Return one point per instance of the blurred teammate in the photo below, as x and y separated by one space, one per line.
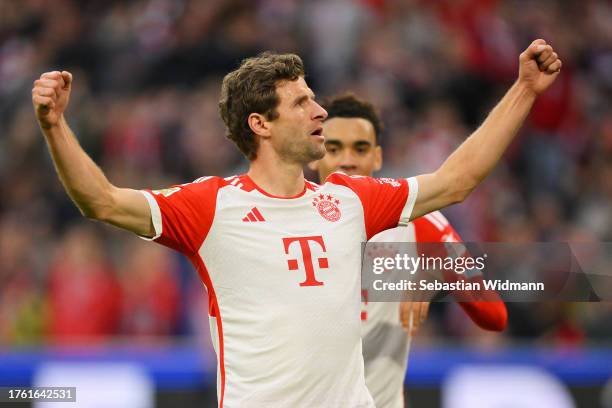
352 131
277 253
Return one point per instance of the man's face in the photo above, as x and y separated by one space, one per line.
351 148
296 134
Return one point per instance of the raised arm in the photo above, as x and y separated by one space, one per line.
459 175
83 180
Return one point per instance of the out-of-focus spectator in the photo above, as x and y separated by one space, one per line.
22 308
84 295
149 283
147 81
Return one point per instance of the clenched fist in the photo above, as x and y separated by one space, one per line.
50 97
539 66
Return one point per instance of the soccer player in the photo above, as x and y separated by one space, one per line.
277 253
352 131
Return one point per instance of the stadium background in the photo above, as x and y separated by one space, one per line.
144 105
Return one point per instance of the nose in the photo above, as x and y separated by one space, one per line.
347 160
319 112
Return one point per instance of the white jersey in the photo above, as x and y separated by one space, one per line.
385 343
283 280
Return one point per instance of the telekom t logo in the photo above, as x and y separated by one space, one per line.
304 243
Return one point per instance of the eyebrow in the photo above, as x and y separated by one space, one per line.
334 142
361 143
302 98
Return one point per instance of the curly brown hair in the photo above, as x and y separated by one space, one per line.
347 105
251 88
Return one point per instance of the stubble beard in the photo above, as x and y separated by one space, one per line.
301 153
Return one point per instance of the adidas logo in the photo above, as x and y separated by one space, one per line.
253 216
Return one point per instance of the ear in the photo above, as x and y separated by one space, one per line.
378 158
259 125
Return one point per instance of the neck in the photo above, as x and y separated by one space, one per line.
276 177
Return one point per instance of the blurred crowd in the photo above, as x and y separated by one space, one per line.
147 79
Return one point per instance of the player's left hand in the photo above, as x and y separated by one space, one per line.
539 66
412 315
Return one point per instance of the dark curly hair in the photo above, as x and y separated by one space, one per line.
347 105
251 88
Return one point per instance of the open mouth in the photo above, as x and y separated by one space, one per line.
317 132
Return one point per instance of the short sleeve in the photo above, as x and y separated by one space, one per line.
385 201
182 215
484 307
434 227
432 232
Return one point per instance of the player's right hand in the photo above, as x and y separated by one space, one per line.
50 97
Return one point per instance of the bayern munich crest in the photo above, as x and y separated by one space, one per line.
327 206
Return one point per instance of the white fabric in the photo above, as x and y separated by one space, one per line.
155 216
283 344
386 344
413 192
